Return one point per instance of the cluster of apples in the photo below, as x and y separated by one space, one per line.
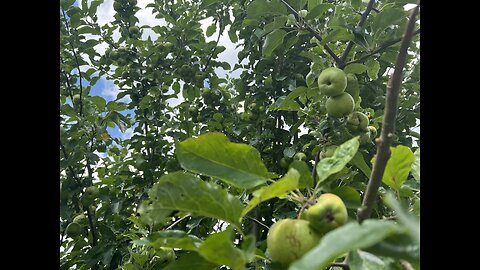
289 239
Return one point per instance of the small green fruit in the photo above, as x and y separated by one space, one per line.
134 30
289 239
328 151
92 191
352 87
332 81
328 213
365 137
303 13
73 230
300 156
340 105
76 98
373 132
357 121
81 219
166 255
283 163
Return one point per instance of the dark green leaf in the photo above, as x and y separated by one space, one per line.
272 41
298 4
342 240
306 179
372 69
214 155
278 22
416 165
360 163
211 30
361 260
232 34
172 239
343 154
259 8
398 166
289 103
318 11
387 17
185 192
349 196
189 261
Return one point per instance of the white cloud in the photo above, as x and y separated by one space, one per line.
128 132
110 91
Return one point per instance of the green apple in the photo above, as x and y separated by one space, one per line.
328 151
76 98
283 163
332 81
340 105
289 239
134 30
328 213
365 137
81 219
357 121
352 87
166 254
300 156
73 229
373 132
92 191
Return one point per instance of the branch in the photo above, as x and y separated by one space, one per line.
360 24
176 222
258 222
216 44
312 31
380 49
388 123
76 61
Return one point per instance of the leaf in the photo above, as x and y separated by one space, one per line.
359 161
355 68
278 189
349 196
259 8
289 103
298 4
399 246
356 3
338 34
219 249
372 69
278 22
318 10
343 239
272 41
343 154
186 192
172 239
190 260
387 17
211 30
410 221
207 3
416 165
232 34
361 260
313 3
306 179
398 166
214 155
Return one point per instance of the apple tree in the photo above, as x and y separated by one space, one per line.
309 158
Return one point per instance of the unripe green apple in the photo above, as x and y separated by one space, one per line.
73 229
92 190
365 137
352 87
166 254
340 105
328 151
81 219
283 162
76 99
373 132
357 121
300 156
328 213
303 13
134 30
289 239
332 81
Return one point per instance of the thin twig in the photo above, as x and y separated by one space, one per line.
406 265
176 222
258 222
380 49
312 31
388 123
360 24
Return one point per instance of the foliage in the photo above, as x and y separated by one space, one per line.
199 182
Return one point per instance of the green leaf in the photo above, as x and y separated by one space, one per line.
172 239
349 196
410 221
355 68
289 103
232 34
356 3
211 30
361 260
359 161
416 165
191 260
398 166
338 34
214 155
343 239
313 3
278 189
207 3
318 11
343 154
272 41
278 22
218 248
398 246
387 17
372 69
259 8
298 4
306 179
186 192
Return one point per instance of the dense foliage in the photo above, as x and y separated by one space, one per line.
215 161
